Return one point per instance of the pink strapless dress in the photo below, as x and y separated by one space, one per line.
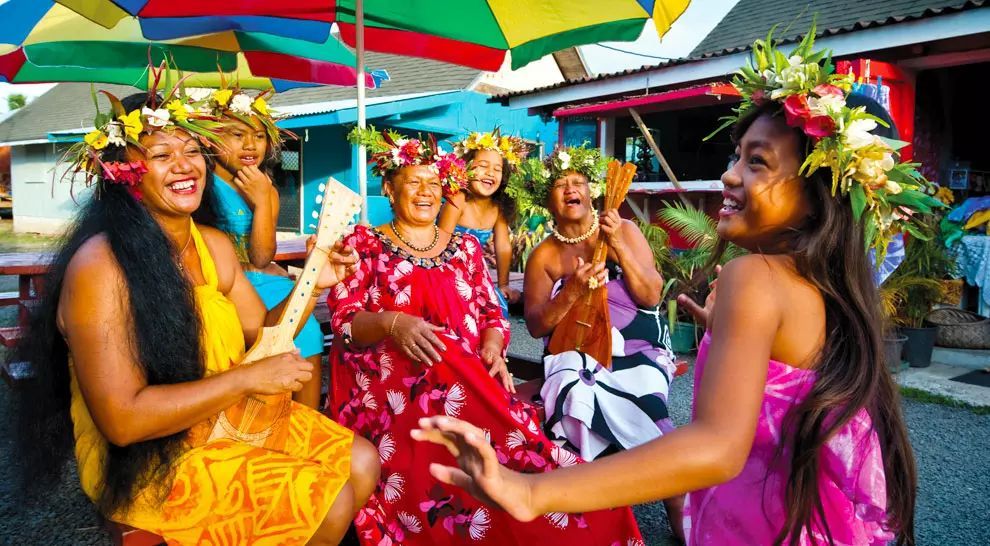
750 509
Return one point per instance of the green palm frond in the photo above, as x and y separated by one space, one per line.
694 225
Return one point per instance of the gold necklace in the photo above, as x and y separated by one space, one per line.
436 237
182 268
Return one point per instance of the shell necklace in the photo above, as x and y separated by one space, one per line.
575 240
427 248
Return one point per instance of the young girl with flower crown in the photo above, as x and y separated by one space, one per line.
797 435
246 204
482 208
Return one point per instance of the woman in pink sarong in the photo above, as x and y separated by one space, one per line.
797 436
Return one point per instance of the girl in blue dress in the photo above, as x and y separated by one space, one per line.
482 208
246 206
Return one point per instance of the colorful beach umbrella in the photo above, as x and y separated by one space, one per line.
479 33
44 41
475 33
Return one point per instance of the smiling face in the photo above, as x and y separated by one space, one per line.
417 194
570 198
173 185
243 144
764 196
486 173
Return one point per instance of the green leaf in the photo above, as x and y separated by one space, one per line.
727 121
858 198
694 225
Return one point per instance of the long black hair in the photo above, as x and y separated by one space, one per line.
830 252
506 204
165 328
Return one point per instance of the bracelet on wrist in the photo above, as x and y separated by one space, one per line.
391 327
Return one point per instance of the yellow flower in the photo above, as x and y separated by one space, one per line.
486 142
511 157
222 97
178 110
261 106
505 144
945 195
132 124
97 139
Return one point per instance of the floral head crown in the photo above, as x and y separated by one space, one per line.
233 102
391 150
513 149
119 128
886 195
532 183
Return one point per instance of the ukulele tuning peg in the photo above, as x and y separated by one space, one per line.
316 214
313 227
323 187
319 199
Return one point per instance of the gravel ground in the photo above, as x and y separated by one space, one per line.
952 447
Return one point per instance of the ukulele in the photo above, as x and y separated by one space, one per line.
257 419
586 327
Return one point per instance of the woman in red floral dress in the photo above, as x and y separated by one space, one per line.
419 332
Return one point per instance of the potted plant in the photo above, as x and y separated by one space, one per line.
679 267
914 289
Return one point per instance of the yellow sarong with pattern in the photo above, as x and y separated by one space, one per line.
226 492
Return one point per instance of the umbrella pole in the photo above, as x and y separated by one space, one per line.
361 152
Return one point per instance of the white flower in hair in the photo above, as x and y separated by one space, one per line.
156 118
115 134
565 160
857 134
198 94
827 105
241 104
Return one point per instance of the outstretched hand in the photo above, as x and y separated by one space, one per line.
480 473
702 315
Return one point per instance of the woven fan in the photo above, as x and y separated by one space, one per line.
586 327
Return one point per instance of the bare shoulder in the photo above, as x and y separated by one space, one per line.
218 242
543 255
93 288
95 262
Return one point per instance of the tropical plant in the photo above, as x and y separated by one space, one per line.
679 268
914 288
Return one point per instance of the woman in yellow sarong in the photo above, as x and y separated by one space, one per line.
137 338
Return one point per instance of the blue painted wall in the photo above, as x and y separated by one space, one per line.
451 117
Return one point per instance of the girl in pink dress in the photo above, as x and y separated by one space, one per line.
797 435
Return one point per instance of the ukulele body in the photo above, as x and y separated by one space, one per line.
257 419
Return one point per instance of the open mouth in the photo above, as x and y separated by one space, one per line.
423 205
574 201
249 160
488 182
183 187
730 206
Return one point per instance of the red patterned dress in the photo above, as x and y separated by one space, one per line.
379 393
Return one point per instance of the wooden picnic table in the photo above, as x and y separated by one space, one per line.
30 268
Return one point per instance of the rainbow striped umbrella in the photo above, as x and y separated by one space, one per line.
475 33
44 41
479 33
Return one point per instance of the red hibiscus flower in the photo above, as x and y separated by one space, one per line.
819 127
796 110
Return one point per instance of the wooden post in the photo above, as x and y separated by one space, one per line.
663 161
